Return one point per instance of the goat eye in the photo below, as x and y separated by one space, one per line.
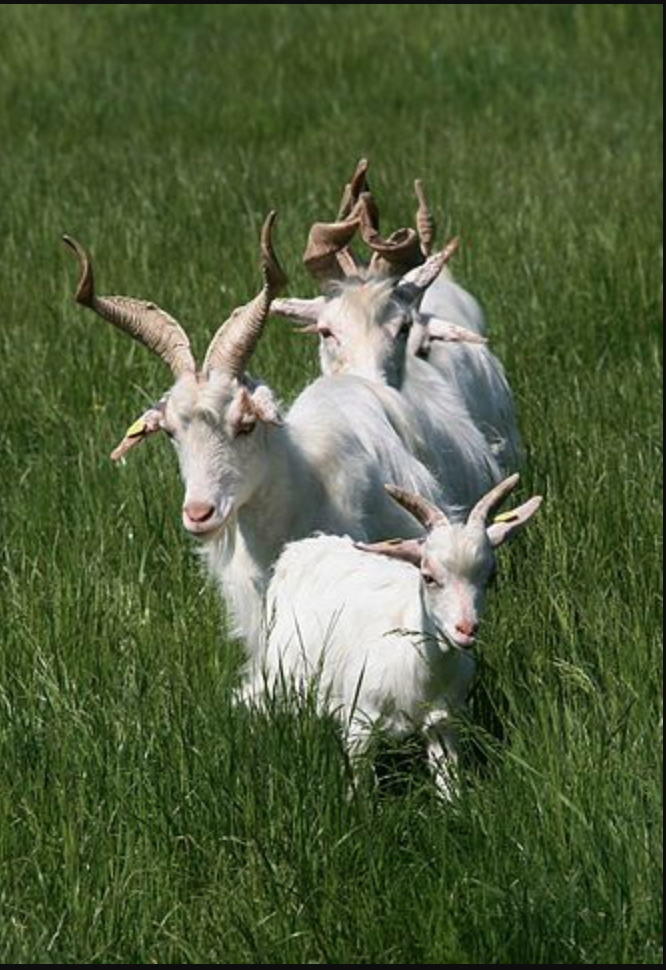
429 580
325 333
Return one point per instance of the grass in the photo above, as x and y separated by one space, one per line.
142 818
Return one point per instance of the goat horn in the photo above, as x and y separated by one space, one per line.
425 221
328 247
487 505
299 311
423 511
145 322
354 190
419 279
232 346
393 256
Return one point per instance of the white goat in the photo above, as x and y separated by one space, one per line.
384 644
364 326
475 372
470 367
253 479
447 323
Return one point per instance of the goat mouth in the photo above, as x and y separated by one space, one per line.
462 644
212 527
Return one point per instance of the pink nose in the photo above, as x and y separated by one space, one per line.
468 629
199 512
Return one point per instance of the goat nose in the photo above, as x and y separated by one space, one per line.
468 628
199 512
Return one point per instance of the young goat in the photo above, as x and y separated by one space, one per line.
253 478
386 639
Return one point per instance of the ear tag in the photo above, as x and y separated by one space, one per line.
506 517
138 428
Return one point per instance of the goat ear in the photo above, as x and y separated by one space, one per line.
452 333
405 550
265 406
253 405
304 312
507 524
148 424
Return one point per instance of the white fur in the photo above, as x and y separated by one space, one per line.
360 628
472 369
384 635
322 469
364 331
449 301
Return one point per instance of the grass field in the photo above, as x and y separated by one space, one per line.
142 818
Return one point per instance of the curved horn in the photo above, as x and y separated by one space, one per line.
232 346
417 281
487 505
423 511
393 256
326 241
145 322
327 256
425 221
354 190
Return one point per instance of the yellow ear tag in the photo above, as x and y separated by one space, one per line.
506 517
138 428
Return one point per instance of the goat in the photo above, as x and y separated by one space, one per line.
386 639
364 327
447 324
469 366
255 479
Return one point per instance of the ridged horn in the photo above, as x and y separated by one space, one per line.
393 256
354 190
485 507
327 256
425 221
233 345
142 320
423 511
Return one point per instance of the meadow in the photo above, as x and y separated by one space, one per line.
143 818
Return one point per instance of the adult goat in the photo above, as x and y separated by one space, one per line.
446 326
255 479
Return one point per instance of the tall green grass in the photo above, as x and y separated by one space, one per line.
142 818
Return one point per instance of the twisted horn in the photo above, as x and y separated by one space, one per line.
423 511
232 346
487 505
393 256
327 256
425 221
145 322
354 190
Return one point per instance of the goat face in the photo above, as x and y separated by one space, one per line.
218 426
364 330
214 413
456 567
456 561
